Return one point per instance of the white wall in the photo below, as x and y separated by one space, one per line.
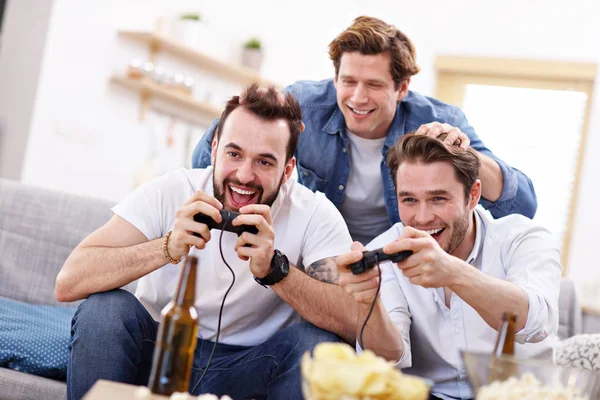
85 136
21 49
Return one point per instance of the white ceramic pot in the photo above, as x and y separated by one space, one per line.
252 58
187 32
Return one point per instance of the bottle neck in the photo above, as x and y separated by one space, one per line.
505 343
185 295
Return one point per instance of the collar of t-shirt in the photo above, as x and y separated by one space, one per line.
363 206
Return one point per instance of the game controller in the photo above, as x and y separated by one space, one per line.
370 259
225 224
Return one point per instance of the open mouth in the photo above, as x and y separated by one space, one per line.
360 113
435 233
241 196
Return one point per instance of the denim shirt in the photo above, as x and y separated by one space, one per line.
323 159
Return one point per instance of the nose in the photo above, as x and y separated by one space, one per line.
423 216
245 172
359 95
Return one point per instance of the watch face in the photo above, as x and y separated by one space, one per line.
285 265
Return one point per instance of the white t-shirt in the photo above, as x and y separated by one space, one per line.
308 228
363 206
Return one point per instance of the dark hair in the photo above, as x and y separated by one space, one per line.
266 105
369 35
424 149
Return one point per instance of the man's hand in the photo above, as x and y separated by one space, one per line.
261 250
362 286
429 265
182 237
454 136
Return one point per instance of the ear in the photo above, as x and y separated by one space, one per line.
403 89
475 194
289 169
213 153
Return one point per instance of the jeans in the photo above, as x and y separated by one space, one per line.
113 337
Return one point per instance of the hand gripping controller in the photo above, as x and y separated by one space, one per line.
370 259
226 224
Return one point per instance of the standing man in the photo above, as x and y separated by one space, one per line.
466 270
353 119
261 339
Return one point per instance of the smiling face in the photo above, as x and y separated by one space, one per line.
432 199
250 160
366 93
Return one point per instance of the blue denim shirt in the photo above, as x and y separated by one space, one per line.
323 159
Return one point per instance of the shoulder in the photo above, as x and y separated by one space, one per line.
178 184
386 237
513 230
302 199
314 93
420 109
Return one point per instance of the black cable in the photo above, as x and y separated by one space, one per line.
362 329
220 310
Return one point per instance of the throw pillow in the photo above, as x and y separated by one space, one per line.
579 351
35 338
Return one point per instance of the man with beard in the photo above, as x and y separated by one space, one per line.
261 337
466 270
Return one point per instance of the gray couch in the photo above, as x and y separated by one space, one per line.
38 230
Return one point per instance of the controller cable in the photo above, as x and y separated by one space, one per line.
362 329
221 309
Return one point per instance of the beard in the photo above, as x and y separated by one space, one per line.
219 190
460 226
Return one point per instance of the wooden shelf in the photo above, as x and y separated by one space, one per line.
236 73
146 87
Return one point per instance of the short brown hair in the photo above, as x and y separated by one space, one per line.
267 106
427 150
369 35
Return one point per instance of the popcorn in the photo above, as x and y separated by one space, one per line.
527 388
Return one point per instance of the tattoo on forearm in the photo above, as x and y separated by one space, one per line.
324 270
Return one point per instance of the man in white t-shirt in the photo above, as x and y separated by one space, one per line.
465 271
261 339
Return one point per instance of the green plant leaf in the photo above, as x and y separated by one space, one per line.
190 16
253 43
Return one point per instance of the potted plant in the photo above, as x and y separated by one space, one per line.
187 29
252 54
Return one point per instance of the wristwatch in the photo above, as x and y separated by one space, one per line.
280 266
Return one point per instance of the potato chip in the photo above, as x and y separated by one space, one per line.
335 372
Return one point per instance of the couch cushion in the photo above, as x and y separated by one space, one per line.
38 230
16 385
35 338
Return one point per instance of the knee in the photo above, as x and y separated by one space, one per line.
103 312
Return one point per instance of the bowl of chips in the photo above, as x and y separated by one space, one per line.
508 377
335 371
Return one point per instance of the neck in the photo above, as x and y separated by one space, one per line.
466 246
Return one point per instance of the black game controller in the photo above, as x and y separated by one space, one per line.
226 224
370 259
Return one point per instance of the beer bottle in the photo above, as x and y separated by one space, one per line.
505 341
177 336
502 365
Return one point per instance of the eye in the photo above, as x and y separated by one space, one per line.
233 154
375 85
348 81
439 199
265 163
408 200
